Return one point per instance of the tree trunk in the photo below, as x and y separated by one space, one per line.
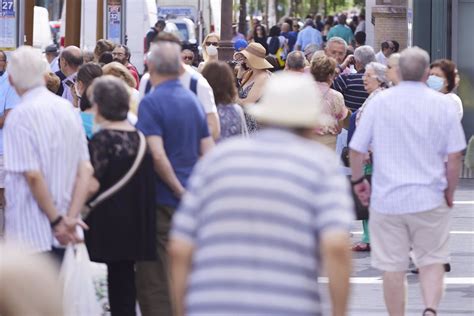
243 17
271 13
289 8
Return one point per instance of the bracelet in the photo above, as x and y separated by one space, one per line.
356 182
56 221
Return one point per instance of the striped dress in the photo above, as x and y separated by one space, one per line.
254 212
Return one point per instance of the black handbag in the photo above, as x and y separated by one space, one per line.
361 211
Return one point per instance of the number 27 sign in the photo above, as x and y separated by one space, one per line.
7 8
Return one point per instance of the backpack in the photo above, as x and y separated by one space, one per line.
192 85
274 45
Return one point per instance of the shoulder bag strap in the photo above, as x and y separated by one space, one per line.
126 178
193 84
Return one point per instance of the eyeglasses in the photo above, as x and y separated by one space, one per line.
188 57
216 44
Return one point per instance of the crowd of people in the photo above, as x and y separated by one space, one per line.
219 187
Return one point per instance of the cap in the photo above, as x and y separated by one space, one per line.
240 44
51 49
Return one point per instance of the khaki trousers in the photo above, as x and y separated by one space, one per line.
152 277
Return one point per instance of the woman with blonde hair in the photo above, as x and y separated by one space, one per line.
118 70
323 69
101 47
210 51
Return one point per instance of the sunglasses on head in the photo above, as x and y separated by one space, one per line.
212 43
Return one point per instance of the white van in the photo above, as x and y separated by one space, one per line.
42 36
141 15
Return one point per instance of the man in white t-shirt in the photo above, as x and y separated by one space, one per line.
386 49
195 82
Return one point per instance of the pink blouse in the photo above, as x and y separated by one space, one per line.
333 105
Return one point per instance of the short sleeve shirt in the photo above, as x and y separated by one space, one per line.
410 129
8 100
254 211
204 90
175 114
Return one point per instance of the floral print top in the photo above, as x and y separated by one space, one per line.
232 120
334 107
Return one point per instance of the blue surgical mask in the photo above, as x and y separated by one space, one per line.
435 82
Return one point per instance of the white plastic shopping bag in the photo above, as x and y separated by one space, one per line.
79 297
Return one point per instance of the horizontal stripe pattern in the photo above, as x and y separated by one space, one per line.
352 88
254 211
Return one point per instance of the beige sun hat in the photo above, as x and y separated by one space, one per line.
290 100
255 54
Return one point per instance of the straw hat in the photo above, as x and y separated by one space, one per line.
255 54
290 100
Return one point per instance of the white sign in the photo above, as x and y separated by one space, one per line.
8 27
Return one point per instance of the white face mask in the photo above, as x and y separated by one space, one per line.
211 50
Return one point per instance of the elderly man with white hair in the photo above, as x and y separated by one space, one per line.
46 160
351 85
417 144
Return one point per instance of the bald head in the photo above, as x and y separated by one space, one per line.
71 59
285 27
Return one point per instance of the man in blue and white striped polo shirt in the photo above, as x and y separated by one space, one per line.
351 85
259 215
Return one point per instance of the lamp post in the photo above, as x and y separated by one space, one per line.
226 47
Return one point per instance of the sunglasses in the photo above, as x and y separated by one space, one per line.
216 44
188 57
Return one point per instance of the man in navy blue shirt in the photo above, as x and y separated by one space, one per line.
175 126
352 85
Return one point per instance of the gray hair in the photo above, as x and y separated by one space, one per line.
338 40
364 55
295 60
27 68
309 22
164 58
380 71
413 64
111 96
310 49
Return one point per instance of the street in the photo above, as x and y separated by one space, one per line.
367 295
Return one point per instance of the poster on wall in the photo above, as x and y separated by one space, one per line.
8 25
114 21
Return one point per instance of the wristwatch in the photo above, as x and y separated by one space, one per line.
356 182
56 221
